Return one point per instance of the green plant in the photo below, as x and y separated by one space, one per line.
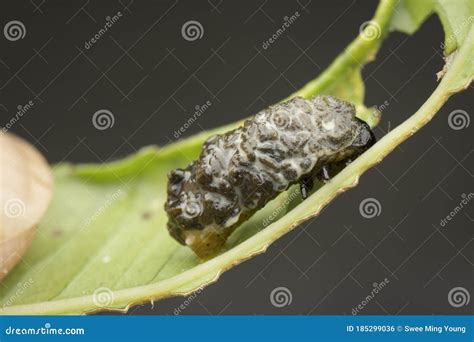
89 255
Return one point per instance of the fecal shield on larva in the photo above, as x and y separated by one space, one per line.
238 172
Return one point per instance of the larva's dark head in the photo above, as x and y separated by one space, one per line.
364 138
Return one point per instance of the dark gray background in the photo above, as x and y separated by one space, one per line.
151 79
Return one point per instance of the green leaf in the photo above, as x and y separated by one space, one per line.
103 243
457 17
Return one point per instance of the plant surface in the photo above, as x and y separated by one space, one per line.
111 248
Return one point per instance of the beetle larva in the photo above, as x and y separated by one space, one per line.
240 171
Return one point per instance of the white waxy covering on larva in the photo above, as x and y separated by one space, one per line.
238 172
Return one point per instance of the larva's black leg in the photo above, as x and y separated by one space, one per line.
324 174
307 182
306 185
